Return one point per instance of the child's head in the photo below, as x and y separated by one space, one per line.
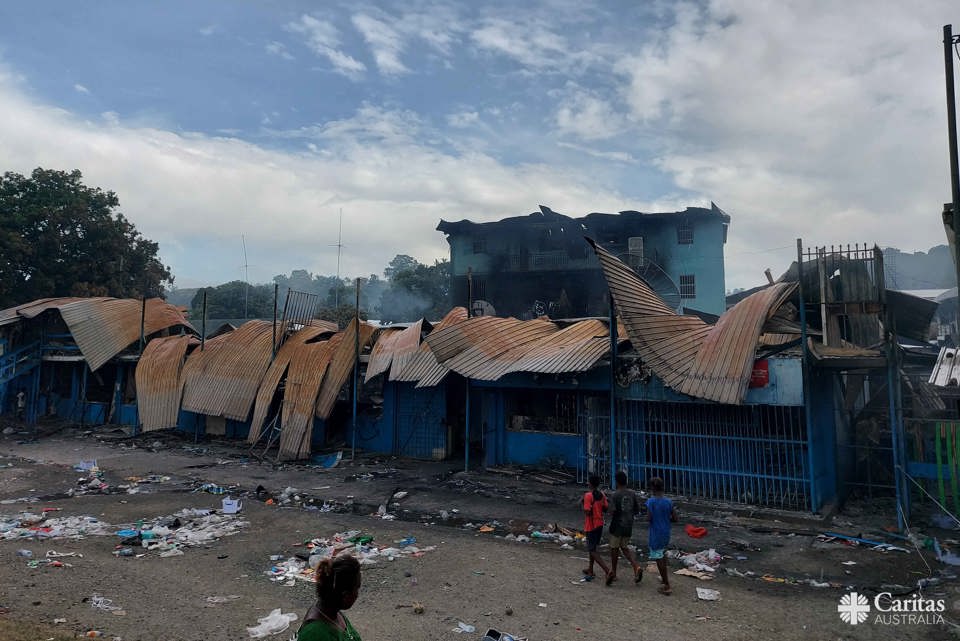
621 478
594 483
338 581
656 485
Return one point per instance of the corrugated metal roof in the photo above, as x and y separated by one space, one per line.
946 371
158 382
485 347
722 367
576 348
381 356
304 377
35 308
423 364
407 345
341 364
710 362
268 385
103 327
223 379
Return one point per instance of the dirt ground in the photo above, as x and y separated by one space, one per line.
529 589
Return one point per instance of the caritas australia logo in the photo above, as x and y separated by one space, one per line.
885 609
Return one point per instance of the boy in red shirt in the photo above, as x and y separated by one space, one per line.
594 505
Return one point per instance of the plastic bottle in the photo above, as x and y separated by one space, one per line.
123 552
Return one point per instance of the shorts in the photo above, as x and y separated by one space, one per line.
656 555
593 539
619 540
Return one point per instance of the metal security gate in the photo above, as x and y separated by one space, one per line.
754 455
421 429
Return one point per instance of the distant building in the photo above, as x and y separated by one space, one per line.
529 266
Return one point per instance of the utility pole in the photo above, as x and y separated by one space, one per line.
951 210
246 277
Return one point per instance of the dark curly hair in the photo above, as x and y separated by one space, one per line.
337 578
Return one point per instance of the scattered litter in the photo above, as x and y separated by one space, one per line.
214 600
211 488
274 623
947 557
33 526
703 576
848 563
703 561
361 546
706 594
27 554
58 621
494 635
879 546
232 506
695 531
102 603
328 461
541 605
464 627
86 466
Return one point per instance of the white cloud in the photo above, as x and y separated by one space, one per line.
463 119
585 115
209 30
795 127
616 156
195 194
324 40
275 48
385 42
81 89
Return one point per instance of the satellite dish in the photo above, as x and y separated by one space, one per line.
482 308
656 278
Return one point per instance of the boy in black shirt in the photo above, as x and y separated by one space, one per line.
625 507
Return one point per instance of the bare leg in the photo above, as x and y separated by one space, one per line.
595 557
614 560
664 577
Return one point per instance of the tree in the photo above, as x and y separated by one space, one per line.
417 291
400 263
59 237
236 300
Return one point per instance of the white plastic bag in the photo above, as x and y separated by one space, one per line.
273 623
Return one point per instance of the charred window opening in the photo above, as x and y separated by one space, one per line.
685 233
480 245
479 288
688 286
542 411
100 384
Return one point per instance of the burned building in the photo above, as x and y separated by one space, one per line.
537 265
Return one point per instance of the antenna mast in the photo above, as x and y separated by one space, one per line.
336 295
246 277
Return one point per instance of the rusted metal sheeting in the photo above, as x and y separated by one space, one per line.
223 379
710 362
34 308
407 346
485 347
341 364
576 348
307 368
158 382
423 364
381 356
103 327
268 386
721 370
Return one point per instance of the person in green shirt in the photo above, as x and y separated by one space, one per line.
338 584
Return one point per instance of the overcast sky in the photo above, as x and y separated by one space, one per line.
214 120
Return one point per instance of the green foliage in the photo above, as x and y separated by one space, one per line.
416 291
235 299
59 237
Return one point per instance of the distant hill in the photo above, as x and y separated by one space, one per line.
932 269
181 297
